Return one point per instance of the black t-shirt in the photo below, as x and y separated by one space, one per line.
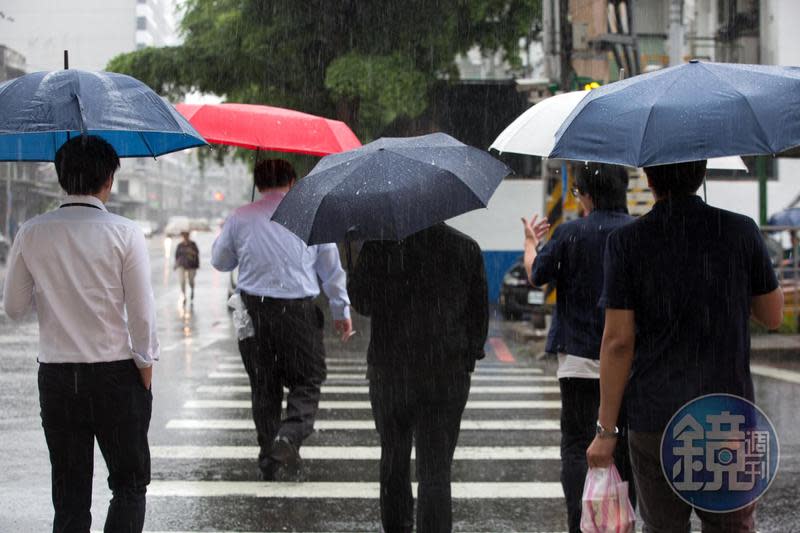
427 299
572 259
689 272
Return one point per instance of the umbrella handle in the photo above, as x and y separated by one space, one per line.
348 243
349 254
253 193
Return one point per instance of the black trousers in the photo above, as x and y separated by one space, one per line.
580 400
287 351
429 410
104 401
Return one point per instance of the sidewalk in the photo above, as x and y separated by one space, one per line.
766 347
776 347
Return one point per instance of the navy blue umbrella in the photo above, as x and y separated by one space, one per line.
389 189
787 217
40 111
685 113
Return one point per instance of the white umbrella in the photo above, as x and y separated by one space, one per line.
533 132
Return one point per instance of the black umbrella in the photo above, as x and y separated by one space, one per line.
389 189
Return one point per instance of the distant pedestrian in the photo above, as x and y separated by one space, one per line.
187 261
86 274
427 299
277 281
681 284
571 260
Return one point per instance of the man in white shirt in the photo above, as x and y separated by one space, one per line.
278 282
86 274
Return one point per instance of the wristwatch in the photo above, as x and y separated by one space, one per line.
604 433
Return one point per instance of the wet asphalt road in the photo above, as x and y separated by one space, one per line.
506 473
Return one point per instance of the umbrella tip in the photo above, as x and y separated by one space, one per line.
66 59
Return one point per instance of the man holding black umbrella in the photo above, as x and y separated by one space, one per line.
427 299
278 282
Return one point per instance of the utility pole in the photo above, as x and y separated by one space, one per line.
565 33
676 31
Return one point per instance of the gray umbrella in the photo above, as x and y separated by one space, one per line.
389 189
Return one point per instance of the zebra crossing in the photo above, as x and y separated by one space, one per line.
505 471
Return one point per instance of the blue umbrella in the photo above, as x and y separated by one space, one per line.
40 111
685 113
389 189
787 217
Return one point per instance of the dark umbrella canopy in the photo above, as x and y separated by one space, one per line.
685 113
40 111
389 189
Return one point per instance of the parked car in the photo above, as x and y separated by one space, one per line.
518 298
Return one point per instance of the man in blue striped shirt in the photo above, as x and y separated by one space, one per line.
278 282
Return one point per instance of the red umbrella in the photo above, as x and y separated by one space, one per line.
261 127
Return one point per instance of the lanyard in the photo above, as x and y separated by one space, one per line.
78 204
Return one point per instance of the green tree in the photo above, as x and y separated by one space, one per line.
365 62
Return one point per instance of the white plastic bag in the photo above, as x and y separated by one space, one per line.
241 318
606 506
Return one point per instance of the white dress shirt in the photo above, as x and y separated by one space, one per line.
275 262
86 274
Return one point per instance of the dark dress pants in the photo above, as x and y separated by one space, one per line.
580 400
427 408
104 401
286 351
662 511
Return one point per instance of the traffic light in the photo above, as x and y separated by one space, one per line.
218 196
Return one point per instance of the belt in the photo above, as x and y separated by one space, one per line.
100 365
269 299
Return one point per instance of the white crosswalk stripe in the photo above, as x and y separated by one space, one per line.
354 404
353 368
364 389
362 377
357 453
345 490
367 424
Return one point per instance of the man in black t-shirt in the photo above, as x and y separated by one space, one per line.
680 285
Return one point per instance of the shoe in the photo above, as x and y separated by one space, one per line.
288 464
283 451
268 469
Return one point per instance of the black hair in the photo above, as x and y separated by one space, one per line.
85 163
606 184
271 173
676 179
